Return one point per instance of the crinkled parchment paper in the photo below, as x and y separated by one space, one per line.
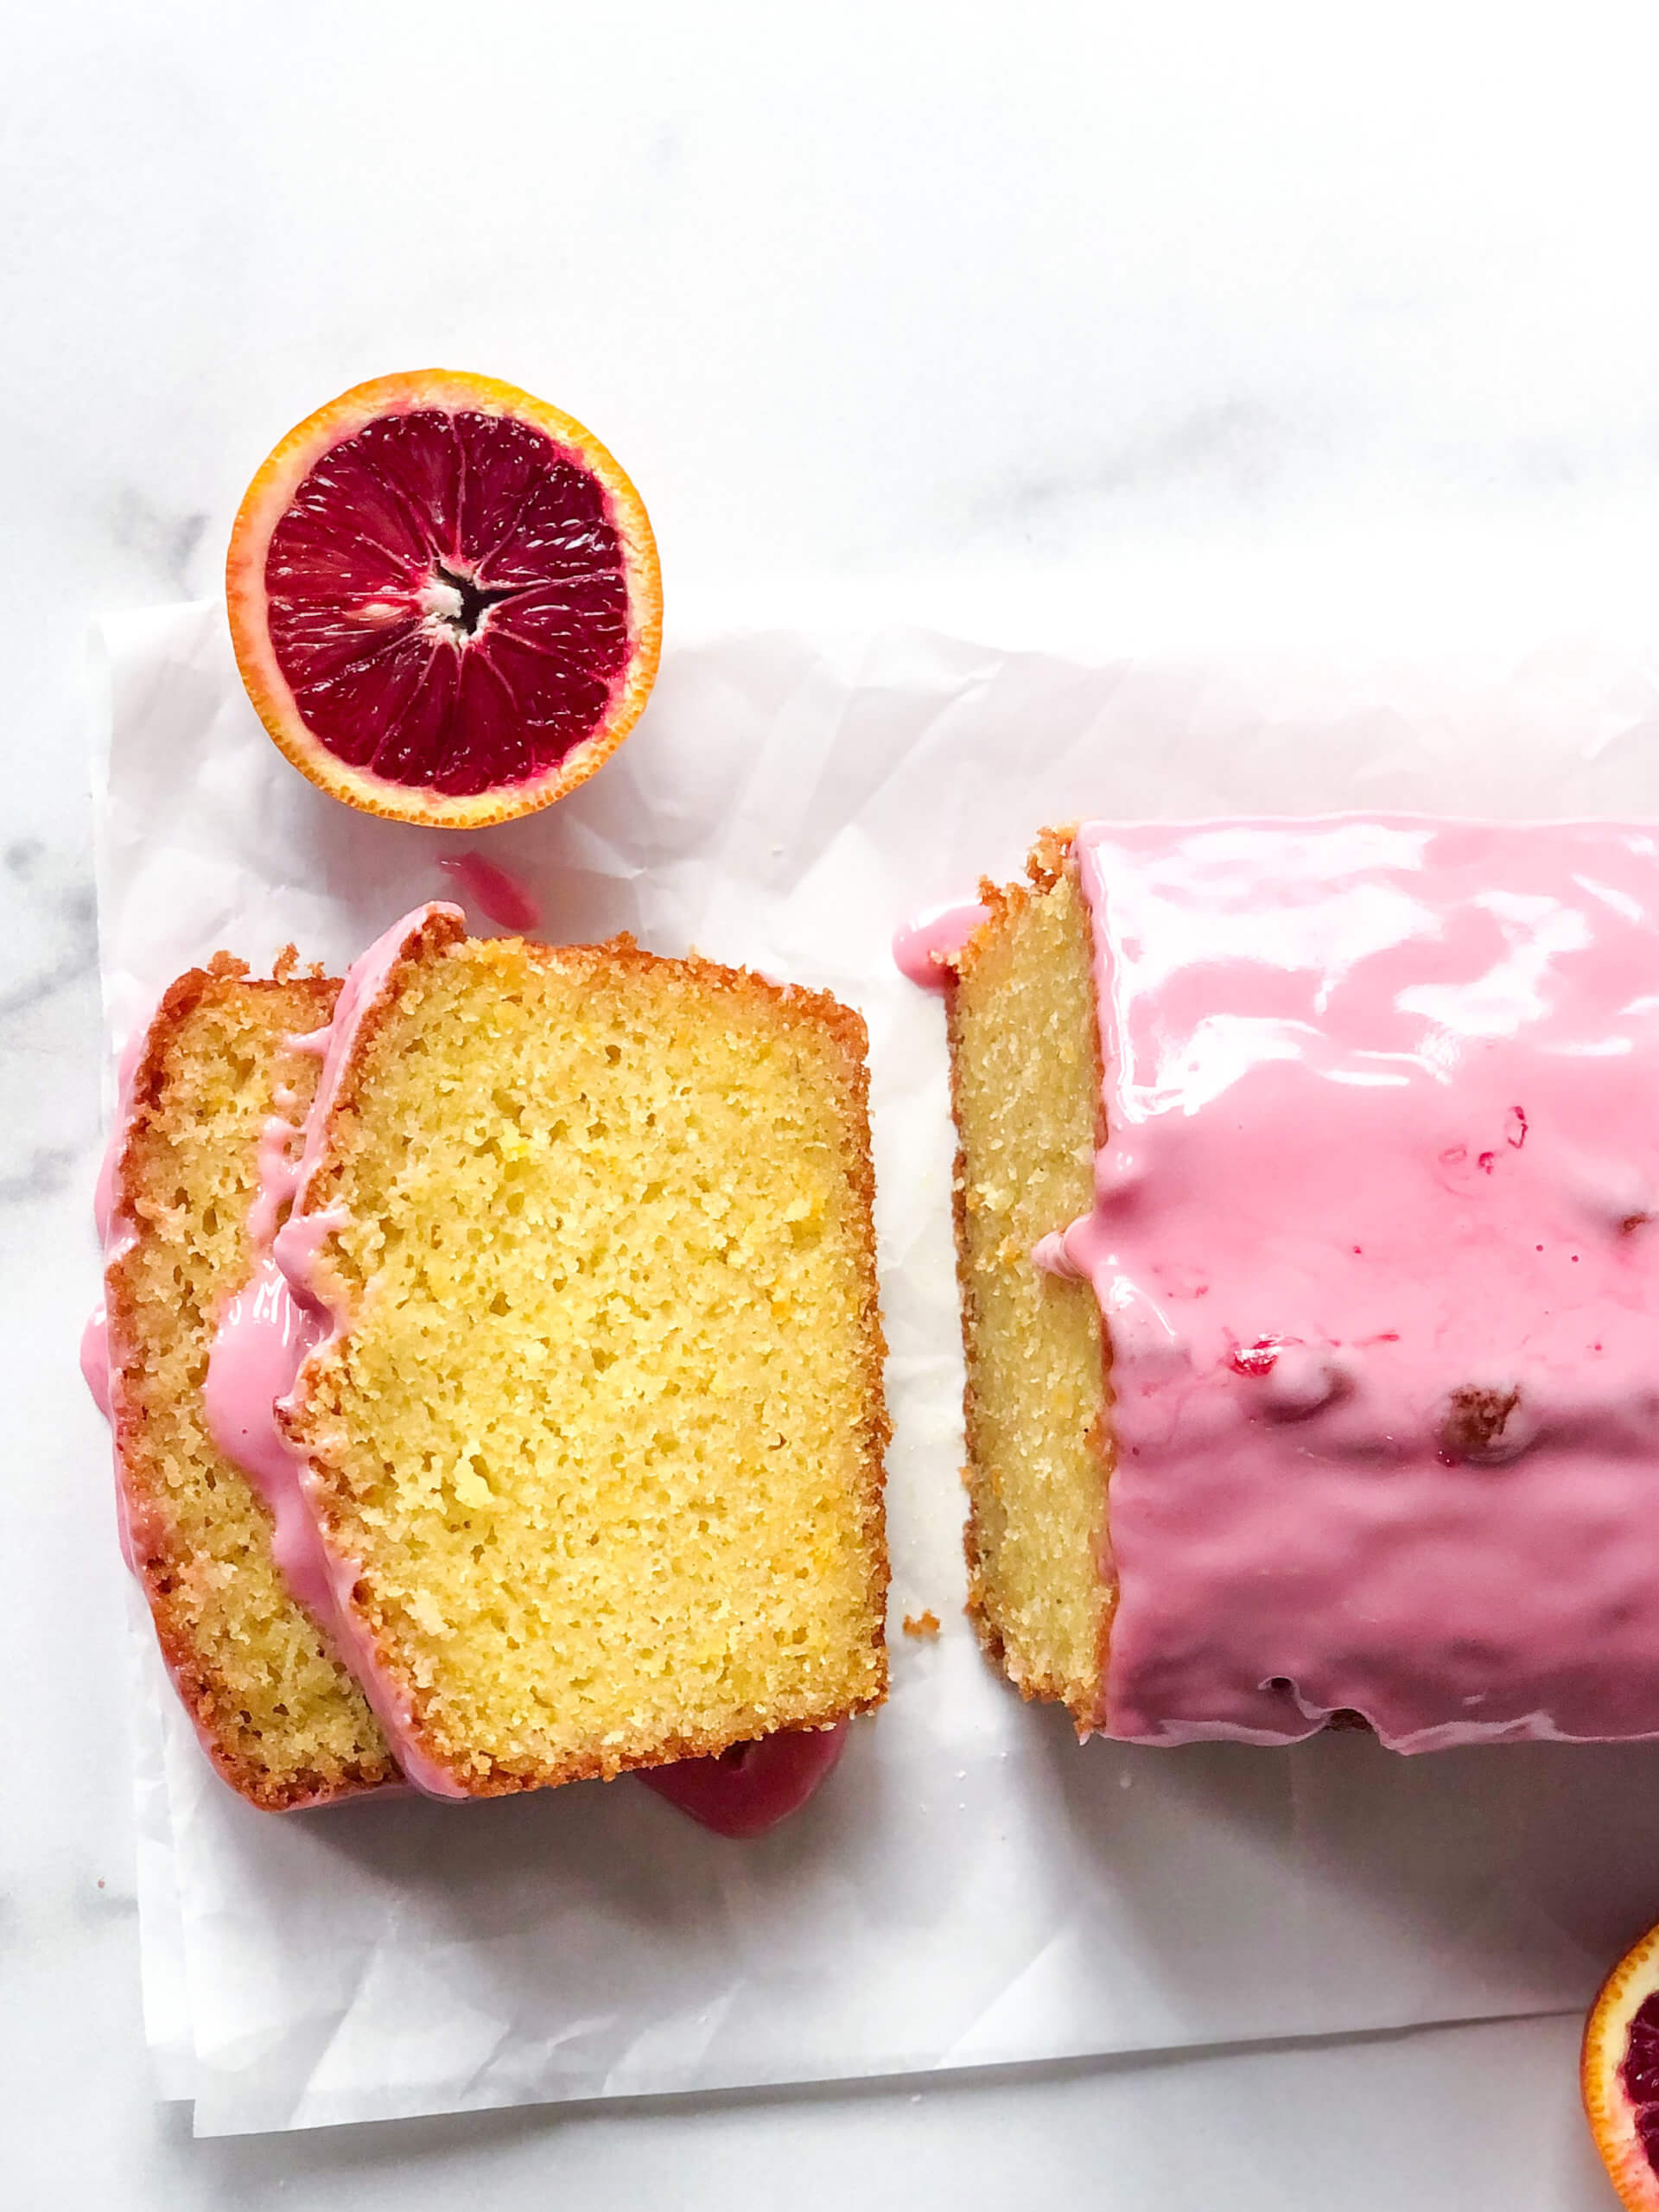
971 1887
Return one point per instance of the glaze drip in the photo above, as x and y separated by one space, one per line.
272 1326
502 898
924 950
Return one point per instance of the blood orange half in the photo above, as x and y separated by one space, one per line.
1620 2074
445 600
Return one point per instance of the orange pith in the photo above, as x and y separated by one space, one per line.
1614 2116
524 767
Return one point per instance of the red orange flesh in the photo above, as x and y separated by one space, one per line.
1620 2074
445 600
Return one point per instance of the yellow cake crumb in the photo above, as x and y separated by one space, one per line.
286 1722
1026 1092
605 1427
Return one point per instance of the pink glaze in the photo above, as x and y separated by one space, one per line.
98 1375
99 1360
1376 1240
276 1175
500 898
268 1331
751 1788
95 1359
925 949
264 1336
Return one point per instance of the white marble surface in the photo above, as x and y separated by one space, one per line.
1096 324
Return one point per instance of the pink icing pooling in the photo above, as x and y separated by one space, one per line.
99 1359
746 1790
95 1360
500 897
266 1333
1376 1240
924 948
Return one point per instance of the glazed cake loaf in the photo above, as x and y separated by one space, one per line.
1307 1209
282 1719
592 1426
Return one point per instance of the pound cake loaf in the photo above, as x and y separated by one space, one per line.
591 1425
1307 1212
283 1720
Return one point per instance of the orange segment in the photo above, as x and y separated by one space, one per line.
1620 2074
444 599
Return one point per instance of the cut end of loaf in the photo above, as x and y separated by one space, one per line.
1026 1089
604 1428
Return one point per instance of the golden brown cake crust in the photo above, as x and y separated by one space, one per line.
1049 860
782 1005
172 1565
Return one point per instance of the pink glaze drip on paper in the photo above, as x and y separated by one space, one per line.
95 1360
500 897
1376 1238
264 1336
748 1789
925 949
116 1233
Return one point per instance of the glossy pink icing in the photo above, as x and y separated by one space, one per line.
746 1790
265 1334
95 1359
924 948
116 1232
500 897
263 1337
1376 1240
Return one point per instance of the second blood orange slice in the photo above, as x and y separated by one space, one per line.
445 600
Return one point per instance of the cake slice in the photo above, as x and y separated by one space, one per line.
1307 1212
282 1719
593 1440
1026 1092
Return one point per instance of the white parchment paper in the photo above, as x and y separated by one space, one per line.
971 1887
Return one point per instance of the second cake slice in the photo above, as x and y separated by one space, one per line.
596 1443
282 1719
